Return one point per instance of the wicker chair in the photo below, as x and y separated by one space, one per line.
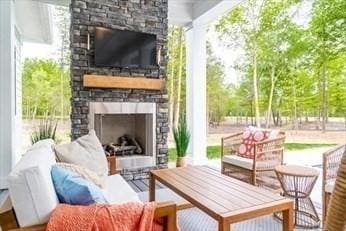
270 150
336 213
331 162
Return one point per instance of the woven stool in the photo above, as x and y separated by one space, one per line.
297 183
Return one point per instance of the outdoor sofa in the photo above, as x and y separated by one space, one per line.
34 198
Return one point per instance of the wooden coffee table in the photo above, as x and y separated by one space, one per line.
225 199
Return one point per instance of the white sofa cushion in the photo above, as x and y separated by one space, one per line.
118 191
30 185
329 187
248 163
86 151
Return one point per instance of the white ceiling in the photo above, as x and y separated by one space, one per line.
183 12
180 12
33 21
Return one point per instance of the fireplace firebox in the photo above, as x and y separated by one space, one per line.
127 130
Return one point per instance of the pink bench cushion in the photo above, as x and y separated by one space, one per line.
250 136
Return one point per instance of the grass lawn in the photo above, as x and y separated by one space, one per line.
213 152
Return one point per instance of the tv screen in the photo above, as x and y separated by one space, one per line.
125 49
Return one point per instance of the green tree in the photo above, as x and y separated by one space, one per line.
328 28
218 93
62 17
179 75
176 74
240 27
42 89
259 27
292 67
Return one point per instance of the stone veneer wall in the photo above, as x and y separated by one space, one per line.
149 16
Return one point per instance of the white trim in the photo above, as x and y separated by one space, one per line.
7 91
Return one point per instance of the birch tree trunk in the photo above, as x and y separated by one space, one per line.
324 83
324 98
295 118
319 109
255 90
180 71
171 84
272 85
62 91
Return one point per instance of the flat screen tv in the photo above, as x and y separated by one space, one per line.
125 49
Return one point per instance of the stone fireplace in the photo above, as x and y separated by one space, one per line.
114 112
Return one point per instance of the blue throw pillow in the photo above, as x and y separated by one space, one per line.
73 189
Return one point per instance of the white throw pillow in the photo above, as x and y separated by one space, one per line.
86 151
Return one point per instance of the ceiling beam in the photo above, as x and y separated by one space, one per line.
211 10
179 13
186 12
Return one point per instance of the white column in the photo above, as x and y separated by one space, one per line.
196 92
7 89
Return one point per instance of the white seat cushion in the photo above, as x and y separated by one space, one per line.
30 185
329 187
248 163
118 191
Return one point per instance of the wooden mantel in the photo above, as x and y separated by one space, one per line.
104 81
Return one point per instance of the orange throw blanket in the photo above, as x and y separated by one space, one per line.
133 216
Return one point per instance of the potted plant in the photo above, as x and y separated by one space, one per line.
182 139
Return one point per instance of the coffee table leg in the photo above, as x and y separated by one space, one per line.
224 225
151 187
287 222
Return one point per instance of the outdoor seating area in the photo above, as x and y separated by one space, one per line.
172 115
186 192
31 180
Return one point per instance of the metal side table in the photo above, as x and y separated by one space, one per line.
297 183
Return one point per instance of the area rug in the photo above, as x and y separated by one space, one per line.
196 220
